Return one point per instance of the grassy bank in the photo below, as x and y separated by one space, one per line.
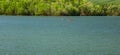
59 7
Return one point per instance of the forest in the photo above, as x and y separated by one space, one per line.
60 7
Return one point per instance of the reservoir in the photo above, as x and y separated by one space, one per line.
59 35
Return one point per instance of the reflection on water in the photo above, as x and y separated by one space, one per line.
59 35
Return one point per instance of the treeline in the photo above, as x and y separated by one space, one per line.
59 8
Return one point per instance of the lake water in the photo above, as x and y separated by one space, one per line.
39 35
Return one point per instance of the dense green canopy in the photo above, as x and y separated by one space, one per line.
59 7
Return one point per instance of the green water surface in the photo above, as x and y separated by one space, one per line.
22 35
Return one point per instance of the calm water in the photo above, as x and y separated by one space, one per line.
59 35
